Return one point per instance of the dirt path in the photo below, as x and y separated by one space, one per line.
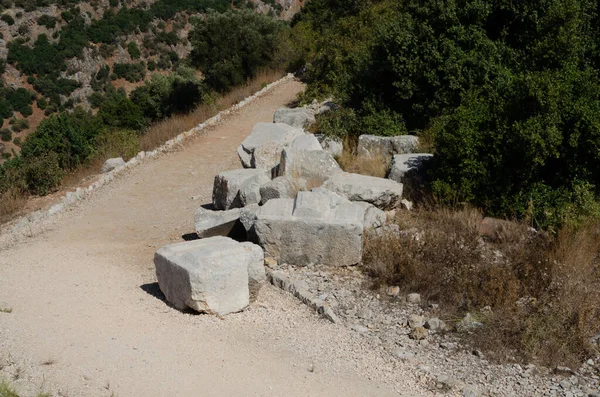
85 321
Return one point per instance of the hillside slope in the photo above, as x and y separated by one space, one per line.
59 55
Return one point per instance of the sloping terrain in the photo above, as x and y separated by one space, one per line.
87 318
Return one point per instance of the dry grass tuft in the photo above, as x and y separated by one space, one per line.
12 202
376 165
544 291
164 130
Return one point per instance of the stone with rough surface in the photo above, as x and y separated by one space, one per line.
382 193
215 223
306 142
296 117
274 135
238 188
312 165
374 217
372 145
213 275
111 164
317 227
332 145
281 187
406 167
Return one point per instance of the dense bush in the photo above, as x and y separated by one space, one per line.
133 50
8 19
69 136
131 72
231 47
118 111
162 96
47 21
510 91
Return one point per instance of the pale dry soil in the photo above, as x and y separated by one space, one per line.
87 320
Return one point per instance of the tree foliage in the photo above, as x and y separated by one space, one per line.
509 89
229 48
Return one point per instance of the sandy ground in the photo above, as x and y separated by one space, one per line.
88 320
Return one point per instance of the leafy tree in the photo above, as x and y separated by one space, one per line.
231 47
119 111
47 21
510 91
69 136
162 96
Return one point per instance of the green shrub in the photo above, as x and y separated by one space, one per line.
70 136
131 72
119 111
47 21
6 135
162 96
231 47
510 91
42 103
133 50
42 173
8 19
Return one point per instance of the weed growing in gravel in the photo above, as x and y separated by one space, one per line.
544 290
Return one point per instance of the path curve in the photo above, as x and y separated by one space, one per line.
86 321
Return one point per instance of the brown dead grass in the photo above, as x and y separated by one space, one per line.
544 291
169 128
376 165
11 203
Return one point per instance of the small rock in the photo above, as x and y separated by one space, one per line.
365 314
448 345
403 355
468 323
413 298
470 391
565 384
419 333
477 353
393 291
435 324
590 362
406 205
414 320
111 164
359 328
563 371
270 262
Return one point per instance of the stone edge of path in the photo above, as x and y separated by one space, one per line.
73 197
281 280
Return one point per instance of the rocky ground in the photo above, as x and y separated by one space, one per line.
410 331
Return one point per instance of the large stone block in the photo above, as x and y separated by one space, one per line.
282 187
306 142
311 165
317 227
238 188
296 117
274 135
211 223
407 166
332 145
409 169
382 193
214 275
372 145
